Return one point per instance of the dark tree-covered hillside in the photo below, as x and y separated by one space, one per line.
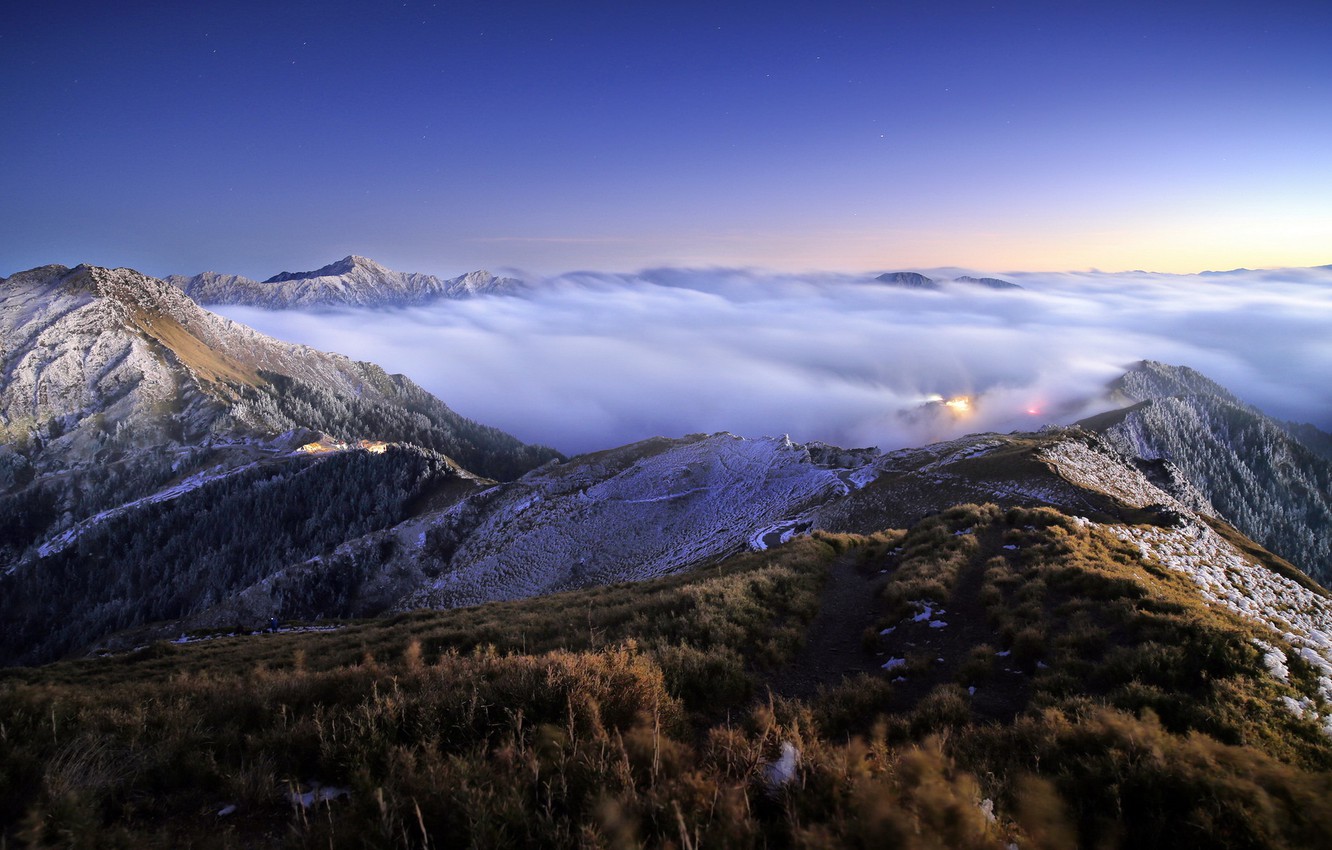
171 559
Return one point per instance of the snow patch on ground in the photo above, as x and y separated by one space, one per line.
1274 660
780 773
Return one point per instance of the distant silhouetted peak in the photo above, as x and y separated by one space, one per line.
910 280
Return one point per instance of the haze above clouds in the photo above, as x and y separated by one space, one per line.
591 360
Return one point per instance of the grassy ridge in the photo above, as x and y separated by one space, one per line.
1122 712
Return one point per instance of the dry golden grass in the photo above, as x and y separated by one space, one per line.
201 359
634 716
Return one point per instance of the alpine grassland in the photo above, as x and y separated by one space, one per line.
1025 678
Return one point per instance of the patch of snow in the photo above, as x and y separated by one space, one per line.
315 794
780 773
987 806
1274 660
861 478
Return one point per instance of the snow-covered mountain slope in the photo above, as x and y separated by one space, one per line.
632 513
351 281
107 351
86 341
116 385
1257 472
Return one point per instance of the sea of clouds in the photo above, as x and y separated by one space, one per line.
590 360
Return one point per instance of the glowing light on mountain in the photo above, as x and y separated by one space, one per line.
960 405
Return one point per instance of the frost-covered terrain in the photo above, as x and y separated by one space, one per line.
113 345
1272 479
351 281
119 393
631 513
1298 618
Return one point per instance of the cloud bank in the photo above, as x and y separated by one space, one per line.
590 360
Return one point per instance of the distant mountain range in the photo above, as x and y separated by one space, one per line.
356 281
916 280
351 281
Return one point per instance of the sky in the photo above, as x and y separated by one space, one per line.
442 137
586 361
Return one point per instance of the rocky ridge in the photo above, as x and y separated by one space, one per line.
1267 477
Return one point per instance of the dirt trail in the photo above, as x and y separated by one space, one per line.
834 648
997 696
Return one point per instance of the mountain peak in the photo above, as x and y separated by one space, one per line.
347 265
1149 379
909 280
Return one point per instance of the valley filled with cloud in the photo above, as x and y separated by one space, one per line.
588 360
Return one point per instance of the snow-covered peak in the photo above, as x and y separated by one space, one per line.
348 265
1148 379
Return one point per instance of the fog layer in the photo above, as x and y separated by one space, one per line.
589 360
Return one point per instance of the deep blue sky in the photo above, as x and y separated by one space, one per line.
440 137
